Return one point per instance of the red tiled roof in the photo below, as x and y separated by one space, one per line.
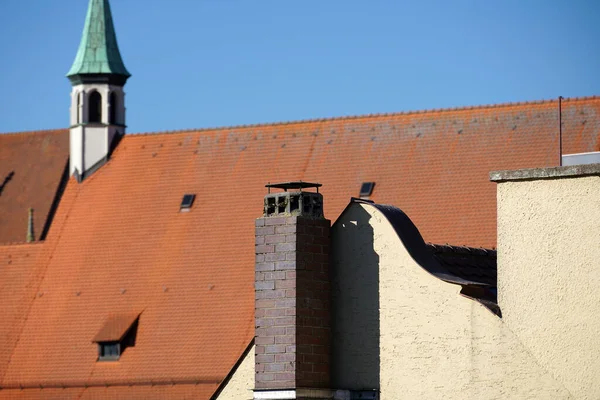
119 244
21 271
31 167
434 164
115 327
116 251
148 391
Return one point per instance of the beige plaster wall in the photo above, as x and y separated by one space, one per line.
355 303
241 384
434 343
549 275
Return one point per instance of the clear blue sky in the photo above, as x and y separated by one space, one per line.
203 63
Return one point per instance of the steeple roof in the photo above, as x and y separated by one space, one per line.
98 51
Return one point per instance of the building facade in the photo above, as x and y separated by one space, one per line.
159 266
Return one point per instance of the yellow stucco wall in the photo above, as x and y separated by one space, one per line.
241 384
434 343
549 275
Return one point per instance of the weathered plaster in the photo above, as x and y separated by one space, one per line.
549 275
571 171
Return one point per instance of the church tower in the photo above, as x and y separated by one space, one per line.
97 98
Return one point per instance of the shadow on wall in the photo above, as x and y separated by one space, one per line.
355 302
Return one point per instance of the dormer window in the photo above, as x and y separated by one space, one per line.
116 335
109 351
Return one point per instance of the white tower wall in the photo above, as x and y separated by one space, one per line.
90 142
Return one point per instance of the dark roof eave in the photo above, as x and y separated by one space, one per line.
111 79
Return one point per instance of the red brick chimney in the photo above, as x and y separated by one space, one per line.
293 317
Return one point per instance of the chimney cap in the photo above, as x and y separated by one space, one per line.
293 185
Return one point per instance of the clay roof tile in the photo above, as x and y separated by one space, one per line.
116 327
122 228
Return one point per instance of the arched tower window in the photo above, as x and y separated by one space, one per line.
112 109
95 109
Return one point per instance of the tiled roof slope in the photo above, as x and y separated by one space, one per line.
433 164
452 148
118 244
31 165
125 392
21 271
120 248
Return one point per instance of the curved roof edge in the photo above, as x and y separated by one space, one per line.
418 249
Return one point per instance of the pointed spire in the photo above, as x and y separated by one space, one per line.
98 52
30 235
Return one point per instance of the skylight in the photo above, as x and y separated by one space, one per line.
366 189
186 202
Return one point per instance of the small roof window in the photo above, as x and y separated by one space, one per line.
117 333
109 351
187 202
366 189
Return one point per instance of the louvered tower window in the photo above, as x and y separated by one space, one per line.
95 107
113 109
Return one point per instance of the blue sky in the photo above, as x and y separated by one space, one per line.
204 63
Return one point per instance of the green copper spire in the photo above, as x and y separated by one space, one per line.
98 52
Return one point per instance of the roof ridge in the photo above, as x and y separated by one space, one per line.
35 132
326 119
353 117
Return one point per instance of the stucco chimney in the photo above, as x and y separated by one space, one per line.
292 311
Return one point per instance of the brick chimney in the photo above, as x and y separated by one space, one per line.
292 311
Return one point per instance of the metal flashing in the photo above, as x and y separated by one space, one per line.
293 185
592 157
